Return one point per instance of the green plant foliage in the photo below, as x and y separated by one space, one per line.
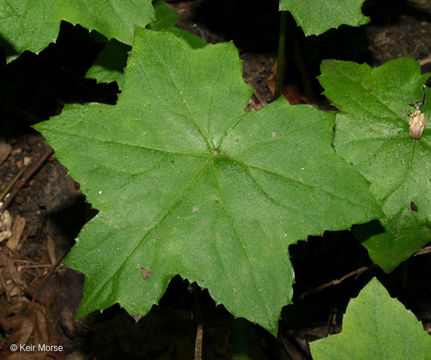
166 19
378 327
372 133
188 183
33 24
317 16
112 60
110 63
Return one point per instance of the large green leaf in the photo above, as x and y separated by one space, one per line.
372 132
317 16
188 183
33 24
376 327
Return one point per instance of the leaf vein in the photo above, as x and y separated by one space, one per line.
241 241
144 147
152 226
300 182
184 102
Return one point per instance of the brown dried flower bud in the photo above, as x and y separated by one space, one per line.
416 124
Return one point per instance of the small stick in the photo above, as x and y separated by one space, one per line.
12 183
423 251
48 274
34 266
18 182
199 327
425 61
199 342
356 272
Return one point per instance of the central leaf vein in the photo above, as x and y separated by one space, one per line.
240 240
145 147
311 186
275 201
366 90
168 71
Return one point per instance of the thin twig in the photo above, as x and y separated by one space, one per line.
48 274
198 319
16 186
199 342
356 272
423 251
425 61
34 266
12 183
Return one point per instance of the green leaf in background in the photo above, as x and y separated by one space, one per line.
112 60
317 16
166 19
110 63
188 183
376 327
33 24
372 133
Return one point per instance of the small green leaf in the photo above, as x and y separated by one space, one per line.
111 62
166 19
317 16
376 327
188 183
372 132
33 24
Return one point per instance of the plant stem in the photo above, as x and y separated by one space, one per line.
197 315
281 54
241 339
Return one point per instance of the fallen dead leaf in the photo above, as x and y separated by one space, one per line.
50 246
5 226
9 270
17 229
